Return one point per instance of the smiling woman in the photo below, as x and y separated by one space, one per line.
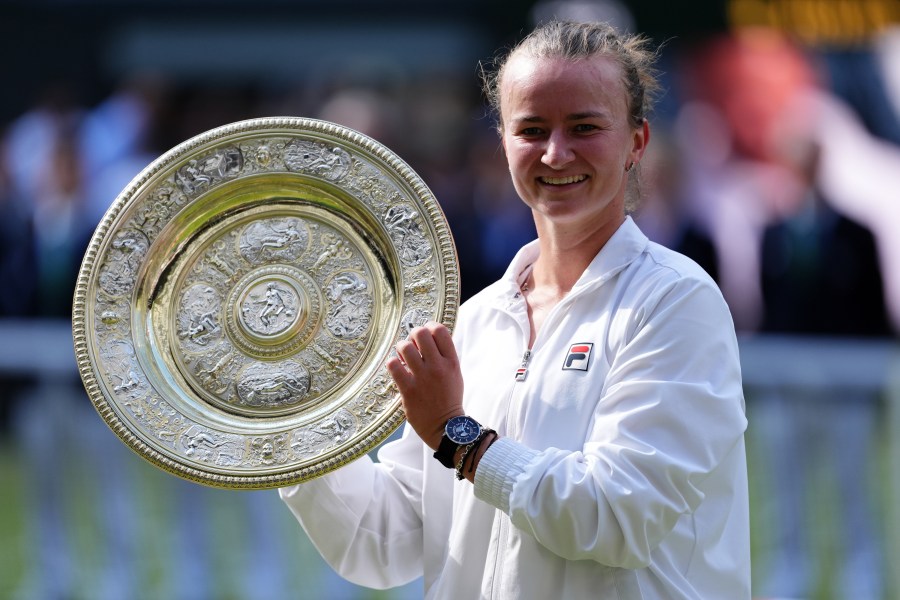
570 144
604 367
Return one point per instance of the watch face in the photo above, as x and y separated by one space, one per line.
463 430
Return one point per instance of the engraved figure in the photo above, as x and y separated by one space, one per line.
192 177
335 247
274 304
383 389
331 361
339 428
202 441
304 443
270 311
263 156
198 316
351 305
200 173
154 215
215 371
201 330
269 450
202 444
403 226
273 385
331 163
126 252
217 264
282 239
123 371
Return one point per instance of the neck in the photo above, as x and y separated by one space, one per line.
567 251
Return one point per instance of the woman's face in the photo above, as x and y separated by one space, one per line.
567 137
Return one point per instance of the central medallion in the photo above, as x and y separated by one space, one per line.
272 310
270 307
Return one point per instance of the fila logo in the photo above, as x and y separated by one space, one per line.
579 357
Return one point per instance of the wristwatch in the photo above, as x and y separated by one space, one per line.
459 431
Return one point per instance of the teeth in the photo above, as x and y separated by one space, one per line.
563 180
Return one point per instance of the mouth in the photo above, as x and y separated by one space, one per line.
562 180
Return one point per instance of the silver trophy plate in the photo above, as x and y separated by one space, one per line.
238 301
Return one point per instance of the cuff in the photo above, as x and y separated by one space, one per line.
498 470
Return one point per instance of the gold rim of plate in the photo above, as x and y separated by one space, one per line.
238 301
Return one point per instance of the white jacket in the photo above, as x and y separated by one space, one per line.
621 471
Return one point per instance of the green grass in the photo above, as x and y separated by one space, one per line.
241 533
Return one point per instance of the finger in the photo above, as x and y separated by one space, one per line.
399 373
409 353
424 341
443 339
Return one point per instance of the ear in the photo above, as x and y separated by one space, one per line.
640 139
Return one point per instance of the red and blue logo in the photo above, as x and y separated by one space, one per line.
578 358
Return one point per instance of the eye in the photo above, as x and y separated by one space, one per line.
585 128
531 131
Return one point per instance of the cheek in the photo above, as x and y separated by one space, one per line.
520 156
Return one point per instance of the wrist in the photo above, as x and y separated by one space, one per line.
471 454
437 434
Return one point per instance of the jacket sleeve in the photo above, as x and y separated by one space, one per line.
670 411
365 518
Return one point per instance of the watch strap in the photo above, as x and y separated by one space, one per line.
445 452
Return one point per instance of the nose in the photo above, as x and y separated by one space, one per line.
558 151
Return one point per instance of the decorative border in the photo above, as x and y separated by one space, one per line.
274 126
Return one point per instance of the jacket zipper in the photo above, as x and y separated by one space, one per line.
521 375
522 371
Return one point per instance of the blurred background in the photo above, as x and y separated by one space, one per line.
774 163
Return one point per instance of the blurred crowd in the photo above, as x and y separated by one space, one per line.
774 165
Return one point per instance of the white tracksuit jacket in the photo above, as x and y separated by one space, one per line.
621 472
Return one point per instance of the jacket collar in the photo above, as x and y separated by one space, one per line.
625 245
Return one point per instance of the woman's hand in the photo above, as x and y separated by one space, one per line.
427 373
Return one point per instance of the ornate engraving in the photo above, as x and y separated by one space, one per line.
216 370
273 385
268 450
112 316
281 239
202 173
310 157
371 187
123 371
412 319
126 252
199 317
269 307
273 311
350 310
335 247
381 391
405 230
338 428
161 417
203 444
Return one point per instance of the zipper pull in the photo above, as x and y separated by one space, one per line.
522 371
